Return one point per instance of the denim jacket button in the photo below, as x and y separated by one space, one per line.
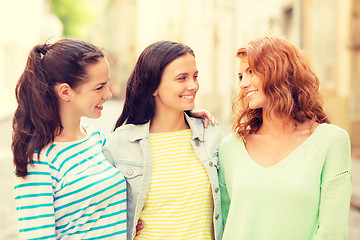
217 217
197 142
129 172
216 189
210 163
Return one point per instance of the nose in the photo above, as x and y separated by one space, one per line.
193 85
108 94
245 82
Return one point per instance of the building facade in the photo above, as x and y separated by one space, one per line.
23 24
327 30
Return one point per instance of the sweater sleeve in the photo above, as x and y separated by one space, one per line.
34 203
335 190
225 199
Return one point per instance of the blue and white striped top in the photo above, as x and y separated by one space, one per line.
72 193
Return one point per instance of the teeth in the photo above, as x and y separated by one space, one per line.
100 105
188 97
251 93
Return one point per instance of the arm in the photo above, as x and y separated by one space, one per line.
335 191
34 203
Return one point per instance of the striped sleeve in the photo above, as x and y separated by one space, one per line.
34 203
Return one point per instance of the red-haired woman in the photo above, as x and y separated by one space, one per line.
285 172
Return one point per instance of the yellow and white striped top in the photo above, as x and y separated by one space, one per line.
179 204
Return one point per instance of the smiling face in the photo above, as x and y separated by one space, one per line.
251 86
88 99
178 85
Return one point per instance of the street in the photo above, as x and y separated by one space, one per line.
8 229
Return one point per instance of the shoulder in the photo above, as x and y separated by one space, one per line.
230 139
129 133
91 131
199 123
124 130
230 144
195 121
44 159
126 127
132 128
331 131
215 130
121 133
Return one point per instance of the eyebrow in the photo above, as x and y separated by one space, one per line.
180 74
102 83
246 70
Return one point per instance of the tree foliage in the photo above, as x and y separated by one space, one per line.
76 16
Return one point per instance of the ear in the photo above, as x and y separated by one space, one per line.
64 91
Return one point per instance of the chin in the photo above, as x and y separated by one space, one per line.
94 116
188 108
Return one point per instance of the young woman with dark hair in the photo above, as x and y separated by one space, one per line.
168 158
285 172
65 187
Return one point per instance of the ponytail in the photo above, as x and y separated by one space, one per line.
36 117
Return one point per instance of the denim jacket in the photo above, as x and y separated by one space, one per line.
128 149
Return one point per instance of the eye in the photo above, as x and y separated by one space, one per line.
240 78
181 78
100 86
196 77
250 71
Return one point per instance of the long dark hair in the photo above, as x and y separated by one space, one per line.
139 105
289 83
37 120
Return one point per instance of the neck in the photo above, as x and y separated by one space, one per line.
276 126
72 129
168 122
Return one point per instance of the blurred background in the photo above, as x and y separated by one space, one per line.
327 30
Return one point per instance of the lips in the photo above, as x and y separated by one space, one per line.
191 97
249 94
99 107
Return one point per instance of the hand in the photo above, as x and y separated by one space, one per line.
204 114
139 227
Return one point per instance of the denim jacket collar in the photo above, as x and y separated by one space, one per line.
142 131
196 126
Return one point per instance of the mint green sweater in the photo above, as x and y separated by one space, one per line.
305 196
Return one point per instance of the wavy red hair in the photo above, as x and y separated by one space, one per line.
289 83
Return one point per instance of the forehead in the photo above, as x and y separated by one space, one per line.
184 62
243 64
98 70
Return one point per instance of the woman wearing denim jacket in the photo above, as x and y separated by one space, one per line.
169 159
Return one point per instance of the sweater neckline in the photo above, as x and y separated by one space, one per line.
289 156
